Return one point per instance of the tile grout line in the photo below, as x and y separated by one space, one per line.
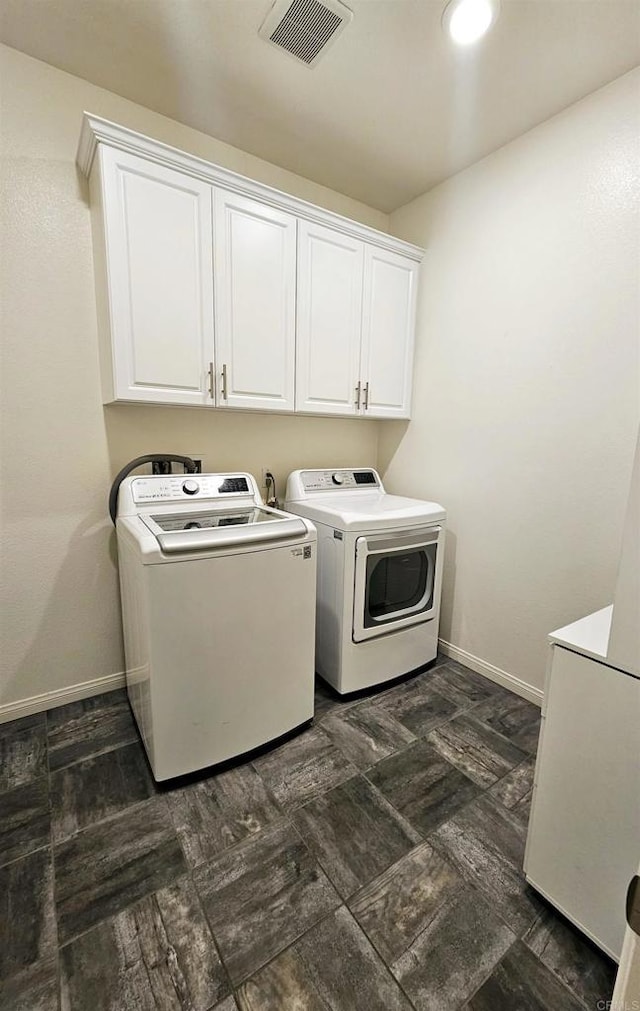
113 916
295 940
344 900
292 944
216 945
510 772
550 968
191 878
491 972
322 793
326 916
419 934
107 820
107 750
29 853
384 962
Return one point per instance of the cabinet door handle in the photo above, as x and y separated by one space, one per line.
366 397
358 388
212 380
224 382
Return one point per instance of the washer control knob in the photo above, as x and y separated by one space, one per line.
190 487
337 478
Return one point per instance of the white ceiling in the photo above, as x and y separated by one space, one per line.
389 111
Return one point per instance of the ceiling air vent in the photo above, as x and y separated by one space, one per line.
305 28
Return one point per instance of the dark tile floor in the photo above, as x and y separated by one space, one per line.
371 863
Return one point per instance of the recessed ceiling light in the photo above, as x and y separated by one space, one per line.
466 21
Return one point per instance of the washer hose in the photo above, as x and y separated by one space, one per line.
139 460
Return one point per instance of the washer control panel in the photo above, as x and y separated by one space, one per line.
339 480
169 487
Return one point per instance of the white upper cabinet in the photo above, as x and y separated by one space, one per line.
154 244
330 270
356 320
388 325
255 273
214 290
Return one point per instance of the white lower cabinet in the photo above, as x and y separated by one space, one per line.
255 273
584 830
153 251
214 290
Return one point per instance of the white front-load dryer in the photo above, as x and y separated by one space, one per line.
218 608
379 583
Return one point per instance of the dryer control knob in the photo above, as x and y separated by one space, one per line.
337 478
190 487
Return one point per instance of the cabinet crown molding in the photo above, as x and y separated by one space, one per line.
96 130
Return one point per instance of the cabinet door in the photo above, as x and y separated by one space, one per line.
157 229
584 830
330 268
390 286
255 272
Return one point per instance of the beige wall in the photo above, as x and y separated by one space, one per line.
60 447
525 398
527 383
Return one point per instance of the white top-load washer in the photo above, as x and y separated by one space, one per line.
218 606
379 575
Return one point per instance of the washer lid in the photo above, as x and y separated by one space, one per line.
368 511
198 529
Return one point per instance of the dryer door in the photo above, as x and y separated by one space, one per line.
397 581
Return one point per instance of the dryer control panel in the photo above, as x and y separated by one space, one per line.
337 480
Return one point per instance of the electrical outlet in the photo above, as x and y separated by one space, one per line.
265 471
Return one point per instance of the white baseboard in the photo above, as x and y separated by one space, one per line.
500 677
60 697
